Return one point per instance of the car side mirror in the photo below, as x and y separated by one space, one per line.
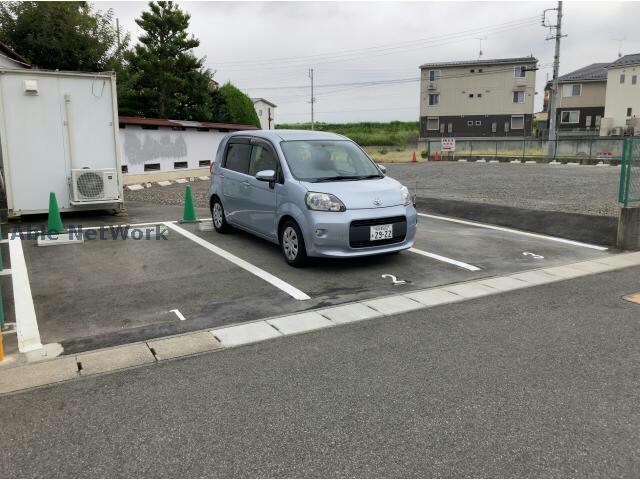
383 169
266 176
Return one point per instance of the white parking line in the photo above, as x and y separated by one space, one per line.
258 272
26 322
178 314
435 256
518 232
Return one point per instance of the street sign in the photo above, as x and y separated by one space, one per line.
448 144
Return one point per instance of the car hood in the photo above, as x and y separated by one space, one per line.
373 193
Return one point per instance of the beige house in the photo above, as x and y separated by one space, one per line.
581 99
266 113
478 98
622 105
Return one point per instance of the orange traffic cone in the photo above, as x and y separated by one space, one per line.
414 160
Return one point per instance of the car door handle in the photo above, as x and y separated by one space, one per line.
246 183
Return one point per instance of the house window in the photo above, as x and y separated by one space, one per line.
572 90
622 78
433 123
518 96
469 123
570 116
598 120
587 121
471 95
519 71
151 167
177 165
434 99
629 111
478 123
479 95
204 163
442 128
517 122
494 127
124 168
434 75
634 79
450 129
506 127
260 112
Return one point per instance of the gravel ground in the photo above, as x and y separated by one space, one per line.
586 190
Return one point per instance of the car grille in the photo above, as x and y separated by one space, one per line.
359 231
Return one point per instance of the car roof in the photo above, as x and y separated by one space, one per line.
288 135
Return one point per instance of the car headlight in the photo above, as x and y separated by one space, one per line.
324 202
405 195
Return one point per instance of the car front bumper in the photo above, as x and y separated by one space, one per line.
333 234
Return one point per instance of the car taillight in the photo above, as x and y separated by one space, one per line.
211 167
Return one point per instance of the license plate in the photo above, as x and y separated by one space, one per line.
380 232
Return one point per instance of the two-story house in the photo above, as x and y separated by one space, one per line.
580 100
266 113
478 98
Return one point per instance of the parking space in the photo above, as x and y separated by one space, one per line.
110 291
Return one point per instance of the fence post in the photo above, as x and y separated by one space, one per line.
524 146
470 149
590 147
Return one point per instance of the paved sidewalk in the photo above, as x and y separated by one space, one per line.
536 382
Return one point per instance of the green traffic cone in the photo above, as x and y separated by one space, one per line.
189 215
54 224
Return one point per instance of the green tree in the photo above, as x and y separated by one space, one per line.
232 106
62 35
164 78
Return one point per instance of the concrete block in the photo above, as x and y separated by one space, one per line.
592 267
504 284
206 225
117 358
494 161
181 180
183 345
247 333
393 305
38 374
628 237
434 296
536 277
565 272
462 160
61 239
471 290
352 312
135 187
530 162
301 322
164 183
204 177
482 160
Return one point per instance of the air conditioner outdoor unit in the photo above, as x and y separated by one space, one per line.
616 131
94 185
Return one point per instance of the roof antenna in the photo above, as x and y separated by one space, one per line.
480 39
620 42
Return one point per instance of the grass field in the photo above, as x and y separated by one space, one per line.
391 134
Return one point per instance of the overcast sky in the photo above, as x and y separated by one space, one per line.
262 45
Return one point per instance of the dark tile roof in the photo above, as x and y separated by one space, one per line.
632 59
495 61
596 72
163 122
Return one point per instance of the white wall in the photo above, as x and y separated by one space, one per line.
166 146
262 109
621 96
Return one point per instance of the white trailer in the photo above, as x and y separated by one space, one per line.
59 133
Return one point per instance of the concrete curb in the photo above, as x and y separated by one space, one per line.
133 355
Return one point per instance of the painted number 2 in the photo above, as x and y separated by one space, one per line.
533 255
394 279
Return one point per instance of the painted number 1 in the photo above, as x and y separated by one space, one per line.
533 255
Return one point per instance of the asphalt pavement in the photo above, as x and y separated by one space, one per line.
540 382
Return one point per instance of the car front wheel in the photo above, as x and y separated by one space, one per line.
292 244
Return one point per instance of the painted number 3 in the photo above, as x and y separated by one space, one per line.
533 255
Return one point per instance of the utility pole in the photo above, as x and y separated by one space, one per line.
553 94
313 99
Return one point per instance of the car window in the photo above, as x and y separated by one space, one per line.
238 156
262 158
315 159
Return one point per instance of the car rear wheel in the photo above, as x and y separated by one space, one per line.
292 244
219 220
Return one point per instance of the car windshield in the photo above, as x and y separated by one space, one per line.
328 160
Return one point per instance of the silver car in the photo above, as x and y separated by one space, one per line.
316 194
